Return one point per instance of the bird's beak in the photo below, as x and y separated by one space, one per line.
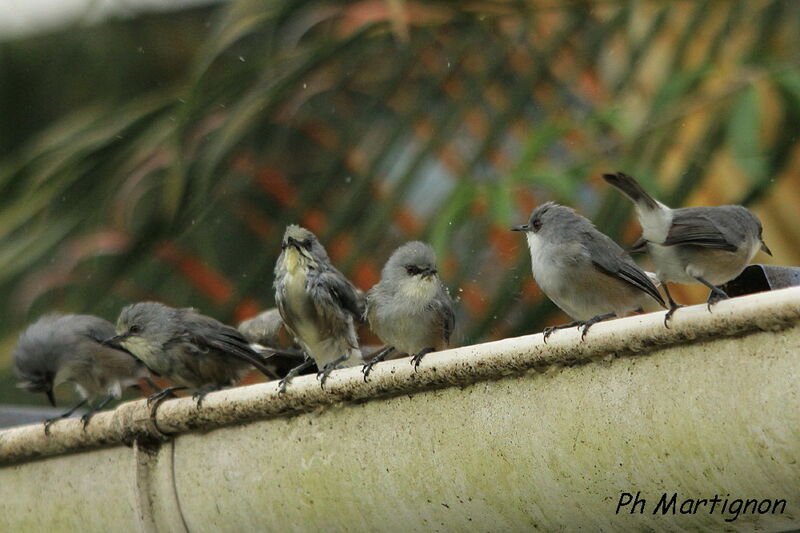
765 248
50 397
291 241
521 227
115 340
430 272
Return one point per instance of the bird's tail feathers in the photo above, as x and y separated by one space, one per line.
632 189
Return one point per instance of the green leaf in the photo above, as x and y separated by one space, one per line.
744 127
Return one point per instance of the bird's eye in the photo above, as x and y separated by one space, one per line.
537 224
307 244
412 270
136 328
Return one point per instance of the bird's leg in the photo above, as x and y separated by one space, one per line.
154 400
379 356
417 359
105 401
549 330
673 305
49 421
201 394
294 372
592 321
326 370
716 295
163 393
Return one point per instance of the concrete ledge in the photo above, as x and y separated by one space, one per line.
507 435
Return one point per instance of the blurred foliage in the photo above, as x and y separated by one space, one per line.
373 123
45 77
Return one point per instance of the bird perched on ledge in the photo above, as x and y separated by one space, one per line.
584 272
317 303
708 245
195 351
410 309
68 348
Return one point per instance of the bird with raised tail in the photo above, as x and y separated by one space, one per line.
583 271
706 245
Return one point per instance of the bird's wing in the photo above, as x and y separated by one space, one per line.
208 333
446 315
697 230
610 259
341 291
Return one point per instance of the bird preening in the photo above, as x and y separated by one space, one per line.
318 310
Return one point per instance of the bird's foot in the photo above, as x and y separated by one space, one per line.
377 358
716 296
584 326
668 314
85 419
367 368
200 395
417 358
49 422
292 373
323 374
549 330
163 394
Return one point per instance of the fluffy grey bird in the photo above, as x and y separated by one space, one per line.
195 351
584 272
317 303
68 348
708 245
264 332
410 309
263 329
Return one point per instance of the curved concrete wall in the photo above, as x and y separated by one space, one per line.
506 436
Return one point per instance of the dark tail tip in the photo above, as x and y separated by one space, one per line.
630 188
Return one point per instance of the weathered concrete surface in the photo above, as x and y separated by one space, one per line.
502 437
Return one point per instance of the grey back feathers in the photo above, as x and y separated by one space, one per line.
68 348
410 308
317 303
264 328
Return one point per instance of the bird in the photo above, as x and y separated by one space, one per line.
194 351
706 245
318 304
409 309
68 348
264 333
265 328
585 273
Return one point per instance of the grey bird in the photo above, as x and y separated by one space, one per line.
708 245
317 303
194 351
265 328
68 349
583 271
263 331
410 309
